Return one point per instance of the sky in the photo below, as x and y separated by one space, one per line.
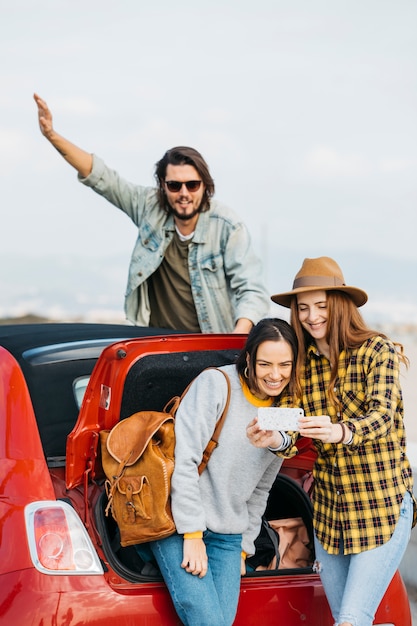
304 110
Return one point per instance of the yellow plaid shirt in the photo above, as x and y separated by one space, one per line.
359 487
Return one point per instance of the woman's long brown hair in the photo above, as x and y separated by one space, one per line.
346 330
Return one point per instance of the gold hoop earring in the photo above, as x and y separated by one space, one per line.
246 372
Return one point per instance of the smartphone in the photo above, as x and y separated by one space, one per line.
276 418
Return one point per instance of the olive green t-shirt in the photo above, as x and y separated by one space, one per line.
170 297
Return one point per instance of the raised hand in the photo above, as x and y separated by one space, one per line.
44 116
81 160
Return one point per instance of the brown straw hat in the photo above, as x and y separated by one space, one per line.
317 274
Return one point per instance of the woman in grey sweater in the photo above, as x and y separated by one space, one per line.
218 514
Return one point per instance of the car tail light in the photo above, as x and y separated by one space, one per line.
58 541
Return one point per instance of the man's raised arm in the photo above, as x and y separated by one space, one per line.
81 160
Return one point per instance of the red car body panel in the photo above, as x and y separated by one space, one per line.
24 475
29 597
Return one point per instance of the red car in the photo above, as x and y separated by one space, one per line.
61 563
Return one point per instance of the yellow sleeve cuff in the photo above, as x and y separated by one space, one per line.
197 535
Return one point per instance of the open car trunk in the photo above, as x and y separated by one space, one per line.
287 501
145 374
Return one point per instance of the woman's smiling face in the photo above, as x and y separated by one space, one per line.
273 367
313 313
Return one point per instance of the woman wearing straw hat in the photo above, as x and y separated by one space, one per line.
363 494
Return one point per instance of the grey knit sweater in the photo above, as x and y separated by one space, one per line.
230 495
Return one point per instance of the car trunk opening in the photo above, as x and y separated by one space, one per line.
287 500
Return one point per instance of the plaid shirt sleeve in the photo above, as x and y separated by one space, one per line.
359 488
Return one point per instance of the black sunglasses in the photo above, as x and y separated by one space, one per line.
175 185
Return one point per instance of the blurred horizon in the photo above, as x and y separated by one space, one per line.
82 286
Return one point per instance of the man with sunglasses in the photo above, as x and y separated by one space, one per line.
193 267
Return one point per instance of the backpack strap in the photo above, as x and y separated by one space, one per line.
214 441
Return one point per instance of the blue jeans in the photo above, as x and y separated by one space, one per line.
355 583
211 600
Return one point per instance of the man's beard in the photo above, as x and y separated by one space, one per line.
181 216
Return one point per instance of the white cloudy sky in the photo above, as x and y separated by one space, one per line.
304 109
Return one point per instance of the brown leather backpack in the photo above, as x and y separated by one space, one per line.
138 460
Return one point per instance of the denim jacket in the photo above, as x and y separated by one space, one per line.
226 275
